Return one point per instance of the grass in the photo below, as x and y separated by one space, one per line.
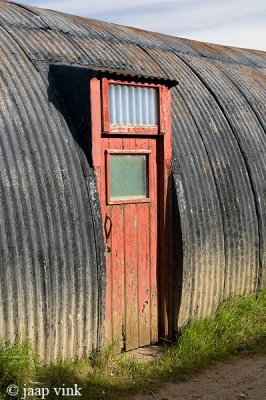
238 327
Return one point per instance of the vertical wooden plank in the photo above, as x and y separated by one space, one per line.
168 211
162 109
106 212
96 125
169 242
131 267
162 239
129 143
131 277
118 295
143 254
165 223
142 143
105 105
153 241
168 136
109 281
144 289
117 263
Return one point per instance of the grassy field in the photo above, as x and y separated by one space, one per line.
238 327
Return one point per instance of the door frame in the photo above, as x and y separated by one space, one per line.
164 189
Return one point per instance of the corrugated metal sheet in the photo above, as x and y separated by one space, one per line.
47 46
223 53
238 224
11 14
247 82
50 278
50 238
250 137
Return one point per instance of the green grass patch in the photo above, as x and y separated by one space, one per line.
238 327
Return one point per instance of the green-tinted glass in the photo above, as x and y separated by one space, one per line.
128 176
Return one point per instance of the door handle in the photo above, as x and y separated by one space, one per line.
108 224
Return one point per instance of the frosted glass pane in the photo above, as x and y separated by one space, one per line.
128 176
133 105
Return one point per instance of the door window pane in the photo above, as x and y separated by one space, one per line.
128 176
133 105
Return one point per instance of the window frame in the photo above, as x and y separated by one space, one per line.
108 153
138 129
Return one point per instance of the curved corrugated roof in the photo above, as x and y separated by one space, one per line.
53 274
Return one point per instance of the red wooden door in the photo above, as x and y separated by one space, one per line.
129 206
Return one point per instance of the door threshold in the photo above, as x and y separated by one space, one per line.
148 353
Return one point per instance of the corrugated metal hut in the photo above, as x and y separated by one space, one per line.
124 232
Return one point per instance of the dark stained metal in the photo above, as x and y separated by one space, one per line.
49 254
118 74
238 222
236 104
52 253
10 14
223 53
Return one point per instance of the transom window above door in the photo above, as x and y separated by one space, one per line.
130 107
133 105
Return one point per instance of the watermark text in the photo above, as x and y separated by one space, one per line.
42 392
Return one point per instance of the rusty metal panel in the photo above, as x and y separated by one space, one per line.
255 57
11 14
50 232
247 129
51 277
239 225
47 46
247 82
202 269
119 55
157 40
82 27
259 76
59 21
224 53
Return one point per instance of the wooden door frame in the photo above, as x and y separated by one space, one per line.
164 190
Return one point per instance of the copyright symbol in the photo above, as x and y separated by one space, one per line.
12 390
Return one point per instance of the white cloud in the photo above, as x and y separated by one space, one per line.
232 22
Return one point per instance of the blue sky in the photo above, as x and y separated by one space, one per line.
239 23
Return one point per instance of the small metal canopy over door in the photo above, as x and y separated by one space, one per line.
131 142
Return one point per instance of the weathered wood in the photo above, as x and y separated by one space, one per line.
143 261
133 259
154 261
118 290
131 277
164 146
